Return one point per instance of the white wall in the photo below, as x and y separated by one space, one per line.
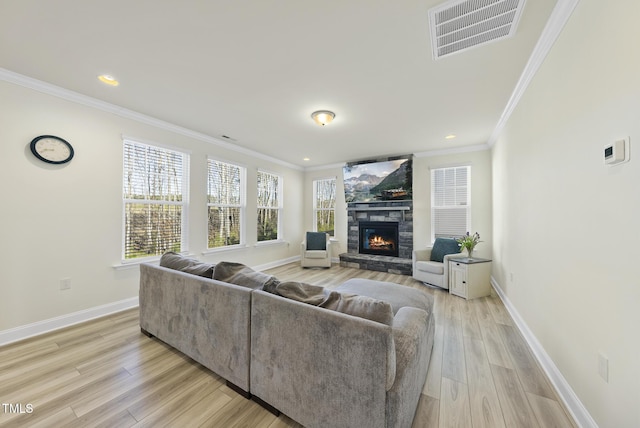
565 225
65 221
480 162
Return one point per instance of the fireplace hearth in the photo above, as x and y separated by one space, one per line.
378 238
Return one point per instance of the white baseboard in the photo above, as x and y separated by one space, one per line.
45 326
580 414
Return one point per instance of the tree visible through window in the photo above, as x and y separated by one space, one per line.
269 205
450 202
155 202
225 203
324 205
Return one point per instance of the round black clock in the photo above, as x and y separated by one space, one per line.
51 149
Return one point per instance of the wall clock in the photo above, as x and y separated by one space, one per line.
51 149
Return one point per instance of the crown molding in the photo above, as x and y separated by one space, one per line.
75 97
559 17
453 150
324 167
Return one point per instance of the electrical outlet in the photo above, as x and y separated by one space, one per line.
65 284
603 366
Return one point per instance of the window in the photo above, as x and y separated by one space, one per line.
450 202
225 203
155 200
324 205
269 205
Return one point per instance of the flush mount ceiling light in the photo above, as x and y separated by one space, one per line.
107 79
322 117
450 137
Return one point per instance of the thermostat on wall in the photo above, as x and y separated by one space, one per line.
616 152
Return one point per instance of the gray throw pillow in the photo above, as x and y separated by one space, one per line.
173 260
239 274
363 307
301 292
350 304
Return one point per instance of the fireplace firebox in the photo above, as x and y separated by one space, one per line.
378 238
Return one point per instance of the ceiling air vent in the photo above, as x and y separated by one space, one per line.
462 24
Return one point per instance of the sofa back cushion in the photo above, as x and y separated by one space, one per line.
350 304
442 247
239 274
179 262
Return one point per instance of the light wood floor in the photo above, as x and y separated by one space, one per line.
105 373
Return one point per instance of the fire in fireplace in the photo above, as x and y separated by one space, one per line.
378 238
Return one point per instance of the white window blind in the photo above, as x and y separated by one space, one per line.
155 200
450 201
269 206
324 205
225 203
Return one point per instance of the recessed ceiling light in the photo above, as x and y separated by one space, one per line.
450 137
107 79
306 159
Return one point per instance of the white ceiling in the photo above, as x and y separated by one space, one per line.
255 70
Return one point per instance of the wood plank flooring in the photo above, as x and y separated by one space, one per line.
105 373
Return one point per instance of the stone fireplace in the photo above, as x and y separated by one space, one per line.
380 236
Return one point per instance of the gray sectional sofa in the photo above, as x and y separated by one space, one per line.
207 320
356 356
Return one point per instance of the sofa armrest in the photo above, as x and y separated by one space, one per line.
410 327
453 256
420 256
413 331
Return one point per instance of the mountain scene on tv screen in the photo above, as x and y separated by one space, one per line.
378 181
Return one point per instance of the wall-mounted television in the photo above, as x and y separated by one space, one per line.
378 181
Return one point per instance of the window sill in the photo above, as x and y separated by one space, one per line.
224 249
133 264
272 242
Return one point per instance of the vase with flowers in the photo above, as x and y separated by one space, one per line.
468 242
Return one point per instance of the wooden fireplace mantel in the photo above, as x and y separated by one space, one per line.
378 208
403 209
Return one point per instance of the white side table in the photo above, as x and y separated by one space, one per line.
470 278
